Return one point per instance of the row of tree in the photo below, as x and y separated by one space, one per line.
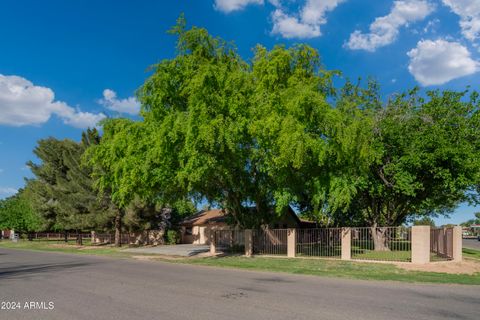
270 132
474 221
275 132
62 196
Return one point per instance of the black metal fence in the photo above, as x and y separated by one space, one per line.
319 242
269 241
58 236
230 240
382 243
441 244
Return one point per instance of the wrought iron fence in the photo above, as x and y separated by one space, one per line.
230 240
325 242
57 236
441 244
103 238
383 243
270 241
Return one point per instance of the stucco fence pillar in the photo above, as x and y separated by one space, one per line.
248 242
457 243
420 244
346 244
291 242
213 245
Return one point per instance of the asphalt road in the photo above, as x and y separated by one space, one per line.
85 287
471 243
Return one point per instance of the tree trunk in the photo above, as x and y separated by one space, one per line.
79 239
118 229
380 240
65 236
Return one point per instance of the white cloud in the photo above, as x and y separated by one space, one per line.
128 105
23 103
469 13
7 191
384 30
228 6
307 23
437 62
431 26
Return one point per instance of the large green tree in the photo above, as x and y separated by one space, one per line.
218 128
425 160
63 188
473 221
17 213
275 132
124 167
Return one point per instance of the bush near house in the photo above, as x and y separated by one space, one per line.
172 237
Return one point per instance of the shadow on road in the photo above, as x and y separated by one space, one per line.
30 270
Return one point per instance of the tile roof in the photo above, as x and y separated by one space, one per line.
204 217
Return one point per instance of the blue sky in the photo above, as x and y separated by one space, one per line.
64 65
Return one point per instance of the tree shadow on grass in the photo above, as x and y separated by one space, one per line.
195 252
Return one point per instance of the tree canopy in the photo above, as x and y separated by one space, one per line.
62 190
274 131
270 132
18 214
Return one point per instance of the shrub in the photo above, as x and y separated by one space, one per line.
172 237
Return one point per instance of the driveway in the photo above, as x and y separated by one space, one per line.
88 287
184 250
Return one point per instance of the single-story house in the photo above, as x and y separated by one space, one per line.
196 229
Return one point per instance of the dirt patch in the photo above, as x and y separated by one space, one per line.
74 246
464 267
69 246
95 247
157 257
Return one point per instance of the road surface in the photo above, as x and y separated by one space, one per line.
86 287
471 243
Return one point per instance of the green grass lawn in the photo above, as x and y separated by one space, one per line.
59 246
335 268
402 256
471 253
317 267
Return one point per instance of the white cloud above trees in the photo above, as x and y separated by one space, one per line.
22 103
7 191
469 13
128 105
384 30
440 61
306 23
300 25
228 6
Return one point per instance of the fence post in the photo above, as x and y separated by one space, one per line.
457 243
213 249
346 244
248 243
291 242
421 244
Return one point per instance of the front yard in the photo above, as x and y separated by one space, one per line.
308 266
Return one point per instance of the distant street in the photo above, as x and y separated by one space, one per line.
471 243
85 287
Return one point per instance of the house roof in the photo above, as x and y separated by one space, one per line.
204 217
218 215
